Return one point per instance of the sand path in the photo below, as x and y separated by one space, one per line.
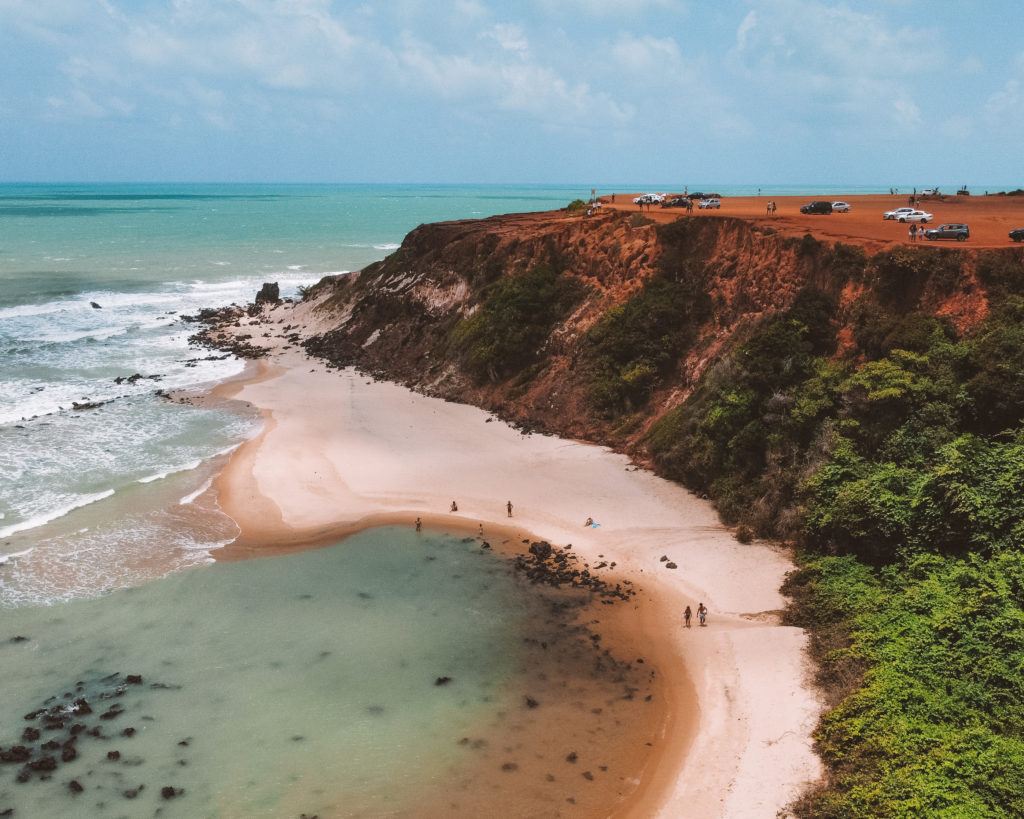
340 451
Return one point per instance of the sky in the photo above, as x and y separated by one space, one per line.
595 92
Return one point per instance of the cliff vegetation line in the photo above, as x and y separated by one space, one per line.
868 409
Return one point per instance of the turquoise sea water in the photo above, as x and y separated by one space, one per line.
274 687
94 280
301 684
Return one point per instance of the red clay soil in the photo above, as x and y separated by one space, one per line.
990 218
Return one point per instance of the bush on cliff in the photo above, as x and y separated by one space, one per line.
508 331
900 470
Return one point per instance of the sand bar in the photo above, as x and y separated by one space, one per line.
340 452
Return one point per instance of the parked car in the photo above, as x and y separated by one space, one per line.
1017 234
915 216
817 207
840 207
895 214
648 199
675 202
951 230
706 204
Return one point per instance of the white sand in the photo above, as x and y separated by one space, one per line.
339 448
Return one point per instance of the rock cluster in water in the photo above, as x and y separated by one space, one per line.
559 567
57 731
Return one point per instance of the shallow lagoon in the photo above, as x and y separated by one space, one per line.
272 687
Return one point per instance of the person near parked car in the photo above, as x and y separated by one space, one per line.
913 231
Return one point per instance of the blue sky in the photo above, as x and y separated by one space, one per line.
595 92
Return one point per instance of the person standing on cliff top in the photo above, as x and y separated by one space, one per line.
508 506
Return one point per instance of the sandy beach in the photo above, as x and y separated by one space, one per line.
340 452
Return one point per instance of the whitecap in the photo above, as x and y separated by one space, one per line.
191 496
39 520
161 475
8 558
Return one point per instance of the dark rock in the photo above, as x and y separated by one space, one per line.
128 732
442 681
531 702
572 757
44 763
113 713
133 679
68 753
540 549
510 766
17 753
113 756
75 786
30 734
95 306
671 565
270 293
588 776
19 639
663 558
168 792
52 745
80 706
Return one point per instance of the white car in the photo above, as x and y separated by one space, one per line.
706 204
649 199
840 207
896 214
915 216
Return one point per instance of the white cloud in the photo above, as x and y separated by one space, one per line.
646 54
510 38
813 58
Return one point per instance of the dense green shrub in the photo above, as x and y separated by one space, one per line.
631 349
507 333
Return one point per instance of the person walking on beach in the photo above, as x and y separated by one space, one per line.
419 524
508 506
702 613
686 616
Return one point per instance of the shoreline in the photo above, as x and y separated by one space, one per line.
339 453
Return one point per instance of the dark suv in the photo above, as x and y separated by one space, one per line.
951 230
817 207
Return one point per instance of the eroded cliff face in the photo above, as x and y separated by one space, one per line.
397 318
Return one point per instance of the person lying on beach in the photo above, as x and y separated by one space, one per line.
590 522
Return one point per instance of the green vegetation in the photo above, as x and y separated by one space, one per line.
576 206
632 349
509 330
899 469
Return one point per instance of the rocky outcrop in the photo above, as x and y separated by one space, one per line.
396 317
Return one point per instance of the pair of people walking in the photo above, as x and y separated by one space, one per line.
702 615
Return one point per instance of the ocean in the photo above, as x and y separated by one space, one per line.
299 684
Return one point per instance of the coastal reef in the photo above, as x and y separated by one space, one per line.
79 741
